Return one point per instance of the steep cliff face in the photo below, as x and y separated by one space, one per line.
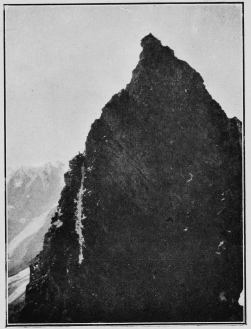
149 225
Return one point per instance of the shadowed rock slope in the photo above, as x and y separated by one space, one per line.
160 190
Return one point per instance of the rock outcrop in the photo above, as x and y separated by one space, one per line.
160 188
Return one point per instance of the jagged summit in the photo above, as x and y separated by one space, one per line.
150 39
152 47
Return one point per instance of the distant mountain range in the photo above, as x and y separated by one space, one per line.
32 195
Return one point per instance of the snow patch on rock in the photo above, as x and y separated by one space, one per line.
79 218
58 223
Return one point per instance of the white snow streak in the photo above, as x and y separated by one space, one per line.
58 223
79 218
221 244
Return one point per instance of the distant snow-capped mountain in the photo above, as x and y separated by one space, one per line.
32 194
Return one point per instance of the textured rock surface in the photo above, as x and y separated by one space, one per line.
162 209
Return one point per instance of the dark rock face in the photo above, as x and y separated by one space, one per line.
162 209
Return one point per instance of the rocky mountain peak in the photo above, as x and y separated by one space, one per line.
150 40
153 49
150 219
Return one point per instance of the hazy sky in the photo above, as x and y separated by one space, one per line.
64 63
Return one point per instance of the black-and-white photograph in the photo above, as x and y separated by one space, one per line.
124 163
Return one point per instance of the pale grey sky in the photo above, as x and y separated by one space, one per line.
64 63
